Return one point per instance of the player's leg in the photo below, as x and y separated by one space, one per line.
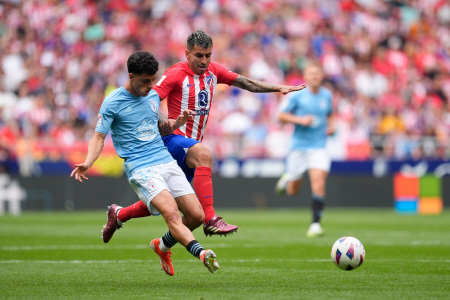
195 160
168 208
187 202
117 215
318 172
291 181
170 177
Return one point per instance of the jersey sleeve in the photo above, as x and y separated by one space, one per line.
165 85
224 75
289 104
105 118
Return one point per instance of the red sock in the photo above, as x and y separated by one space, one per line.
204 189
136 210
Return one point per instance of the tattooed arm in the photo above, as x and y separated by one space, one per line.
165 125
256 86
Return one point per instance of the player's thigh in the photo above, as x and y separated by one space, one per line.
148 184
167 206
296 165
178 147
199 156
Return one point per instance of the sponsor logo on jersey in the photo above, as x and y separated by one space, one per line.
146 131
203 99
128 109
203 112
99 120
153 105
189 85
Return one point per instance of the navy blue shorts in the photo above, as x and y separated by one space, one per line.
177 146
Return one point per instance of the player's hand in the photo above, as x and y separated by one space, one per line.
183 118
330 129
306 120
166 127
80 171
286 89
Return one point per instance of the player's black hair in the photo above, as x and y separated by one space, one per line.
142 62
199 38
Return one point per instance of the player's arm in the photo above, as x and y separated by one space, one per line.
285 117
256 86
94 149
330 125
167 126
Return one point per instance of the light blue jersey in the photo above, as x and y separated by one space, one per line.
134 129
302 103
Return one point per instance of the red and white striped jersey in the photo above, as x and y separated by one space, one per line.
186 90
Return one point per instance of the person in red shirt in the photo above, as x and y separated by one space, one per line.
192 85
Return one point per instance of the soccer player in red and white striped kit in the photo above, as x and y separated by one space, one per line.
192 85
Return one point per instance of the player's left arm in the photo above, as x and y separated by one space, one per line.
330 119
256 86
330 124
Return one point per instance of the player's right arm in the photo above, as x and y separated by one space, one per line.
94 149
285 117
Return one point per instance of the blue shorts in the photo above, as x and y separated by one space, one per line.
178 146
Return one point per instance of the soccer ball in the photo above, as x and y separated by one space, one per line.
348 253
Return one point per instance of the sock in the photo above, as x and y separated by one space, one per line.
167 242
194 248
204 189
317 207
136 210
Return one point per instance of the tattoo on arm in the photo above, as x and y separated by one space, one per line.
255 86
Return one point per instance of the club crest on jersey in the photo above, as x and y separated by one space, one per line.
209 81
203 99
153 105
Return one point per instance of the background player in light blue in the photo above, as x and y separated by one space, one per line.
131 113
310 110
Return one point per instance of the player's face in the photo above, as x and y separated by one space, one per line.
142 84
313 76
198 59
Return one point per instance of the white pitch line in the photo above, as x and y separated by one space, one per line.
15 261
212 245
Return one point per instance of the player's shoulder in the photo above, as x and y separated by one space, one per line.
216 67
113 97
176 68
325 91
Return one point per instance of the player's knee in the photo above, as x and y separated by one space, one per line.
172 216
202 156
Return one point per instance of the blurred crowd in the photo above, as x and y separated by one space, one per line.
387 63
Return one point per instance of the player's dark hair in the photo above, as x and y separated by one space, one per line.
142 62
199 38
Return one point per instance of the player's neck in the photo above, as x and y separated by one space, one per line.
314 89
130 89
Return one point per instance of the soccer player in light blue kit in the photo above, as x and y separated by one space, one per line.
131 113
310 110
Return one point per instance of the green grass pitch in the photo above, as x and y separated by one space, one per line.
61 255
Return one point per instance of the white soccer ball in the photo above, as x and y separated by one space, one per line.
348 253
